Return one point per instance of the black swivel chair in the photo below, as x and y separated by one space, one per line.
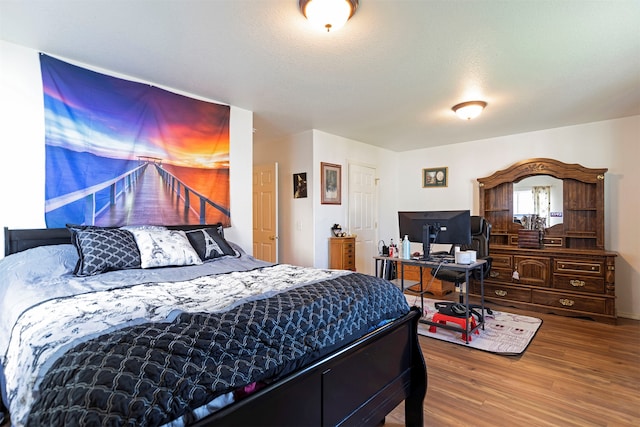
480 232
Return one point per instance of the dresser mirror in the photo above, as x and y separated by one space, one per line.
538 196
573 214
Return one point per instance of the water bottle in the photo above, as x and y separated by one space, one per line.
406 247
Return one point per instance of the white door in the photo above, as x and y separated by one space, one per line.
265 212
363 219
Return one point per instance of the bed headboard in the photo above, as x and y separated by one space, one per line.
22 239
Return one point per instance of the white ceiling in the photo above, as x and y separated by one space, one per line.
388 78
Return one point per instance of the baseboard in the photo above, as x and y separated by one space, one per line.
632 316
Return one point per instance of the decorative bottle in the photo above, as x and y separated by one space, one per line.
392 249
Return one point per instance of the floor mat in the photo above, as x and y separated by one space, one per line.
504 333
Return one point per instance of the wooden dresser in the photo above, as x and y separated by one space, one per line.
342 253
569 272
561 281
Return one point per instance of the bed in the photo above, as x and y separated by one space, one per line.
230 340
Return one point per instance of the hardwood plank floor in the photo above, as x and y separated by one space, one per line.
575 372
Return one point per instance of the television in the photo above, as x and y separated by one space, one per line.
443 227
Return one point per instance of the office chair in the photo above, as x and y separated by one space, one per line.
480 232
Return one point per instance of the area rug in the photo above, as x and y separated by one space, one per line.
504 333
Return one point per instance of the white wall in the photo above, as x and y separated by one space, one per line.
241 178
330 148
22 152
612 144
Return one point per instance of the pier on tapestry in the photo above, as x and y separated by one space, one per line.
120 152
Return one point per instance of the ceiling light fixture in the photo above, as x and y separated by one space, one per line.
328 14
469 110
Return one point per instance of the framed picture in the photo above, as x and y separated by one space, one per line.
331 181
435 177
300 185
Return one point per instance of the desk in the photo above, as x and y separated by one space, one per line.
466 268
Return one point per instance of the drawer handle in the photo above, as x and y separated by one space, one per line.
577 283
501 293
566 302
494 274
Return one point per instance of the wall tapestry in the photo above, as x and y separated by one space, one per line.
122 153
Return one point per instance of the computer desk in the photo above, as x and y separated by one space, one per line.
466 268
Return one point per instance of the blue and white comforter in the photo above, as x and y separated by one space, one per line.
69 310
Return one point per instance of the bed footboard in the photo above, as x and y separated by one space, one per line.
357 385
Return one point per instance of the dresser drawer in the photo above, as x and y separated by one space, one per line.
553 242
500 275
579 283
504 292
502 261
349 261
348 250
570 301
567 266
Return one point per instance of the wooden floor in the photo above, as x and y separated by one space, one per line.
575 372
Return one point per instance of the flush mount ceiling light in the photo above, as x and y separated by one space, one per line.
469 110
328 14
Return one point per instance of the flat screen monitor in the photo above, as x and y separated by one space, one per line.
444 227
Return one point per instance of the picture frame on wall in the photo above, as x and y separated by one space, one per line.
435 177
300 185
331 181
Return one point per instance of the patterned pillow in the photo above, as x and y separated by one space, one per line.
162 248
103 249
209 243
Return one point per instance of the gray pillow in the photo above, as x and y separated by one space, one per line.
102 249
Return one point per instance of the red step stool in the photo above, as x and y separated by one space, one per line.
460 321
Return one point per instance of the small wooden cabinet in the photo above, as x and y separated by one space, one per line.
430 284
570 272
342 253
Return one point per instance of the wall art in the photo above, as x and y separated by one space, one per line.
119 152
435 177
331 181
300 185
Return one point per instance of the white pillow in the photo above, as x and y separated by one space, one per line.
162 248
